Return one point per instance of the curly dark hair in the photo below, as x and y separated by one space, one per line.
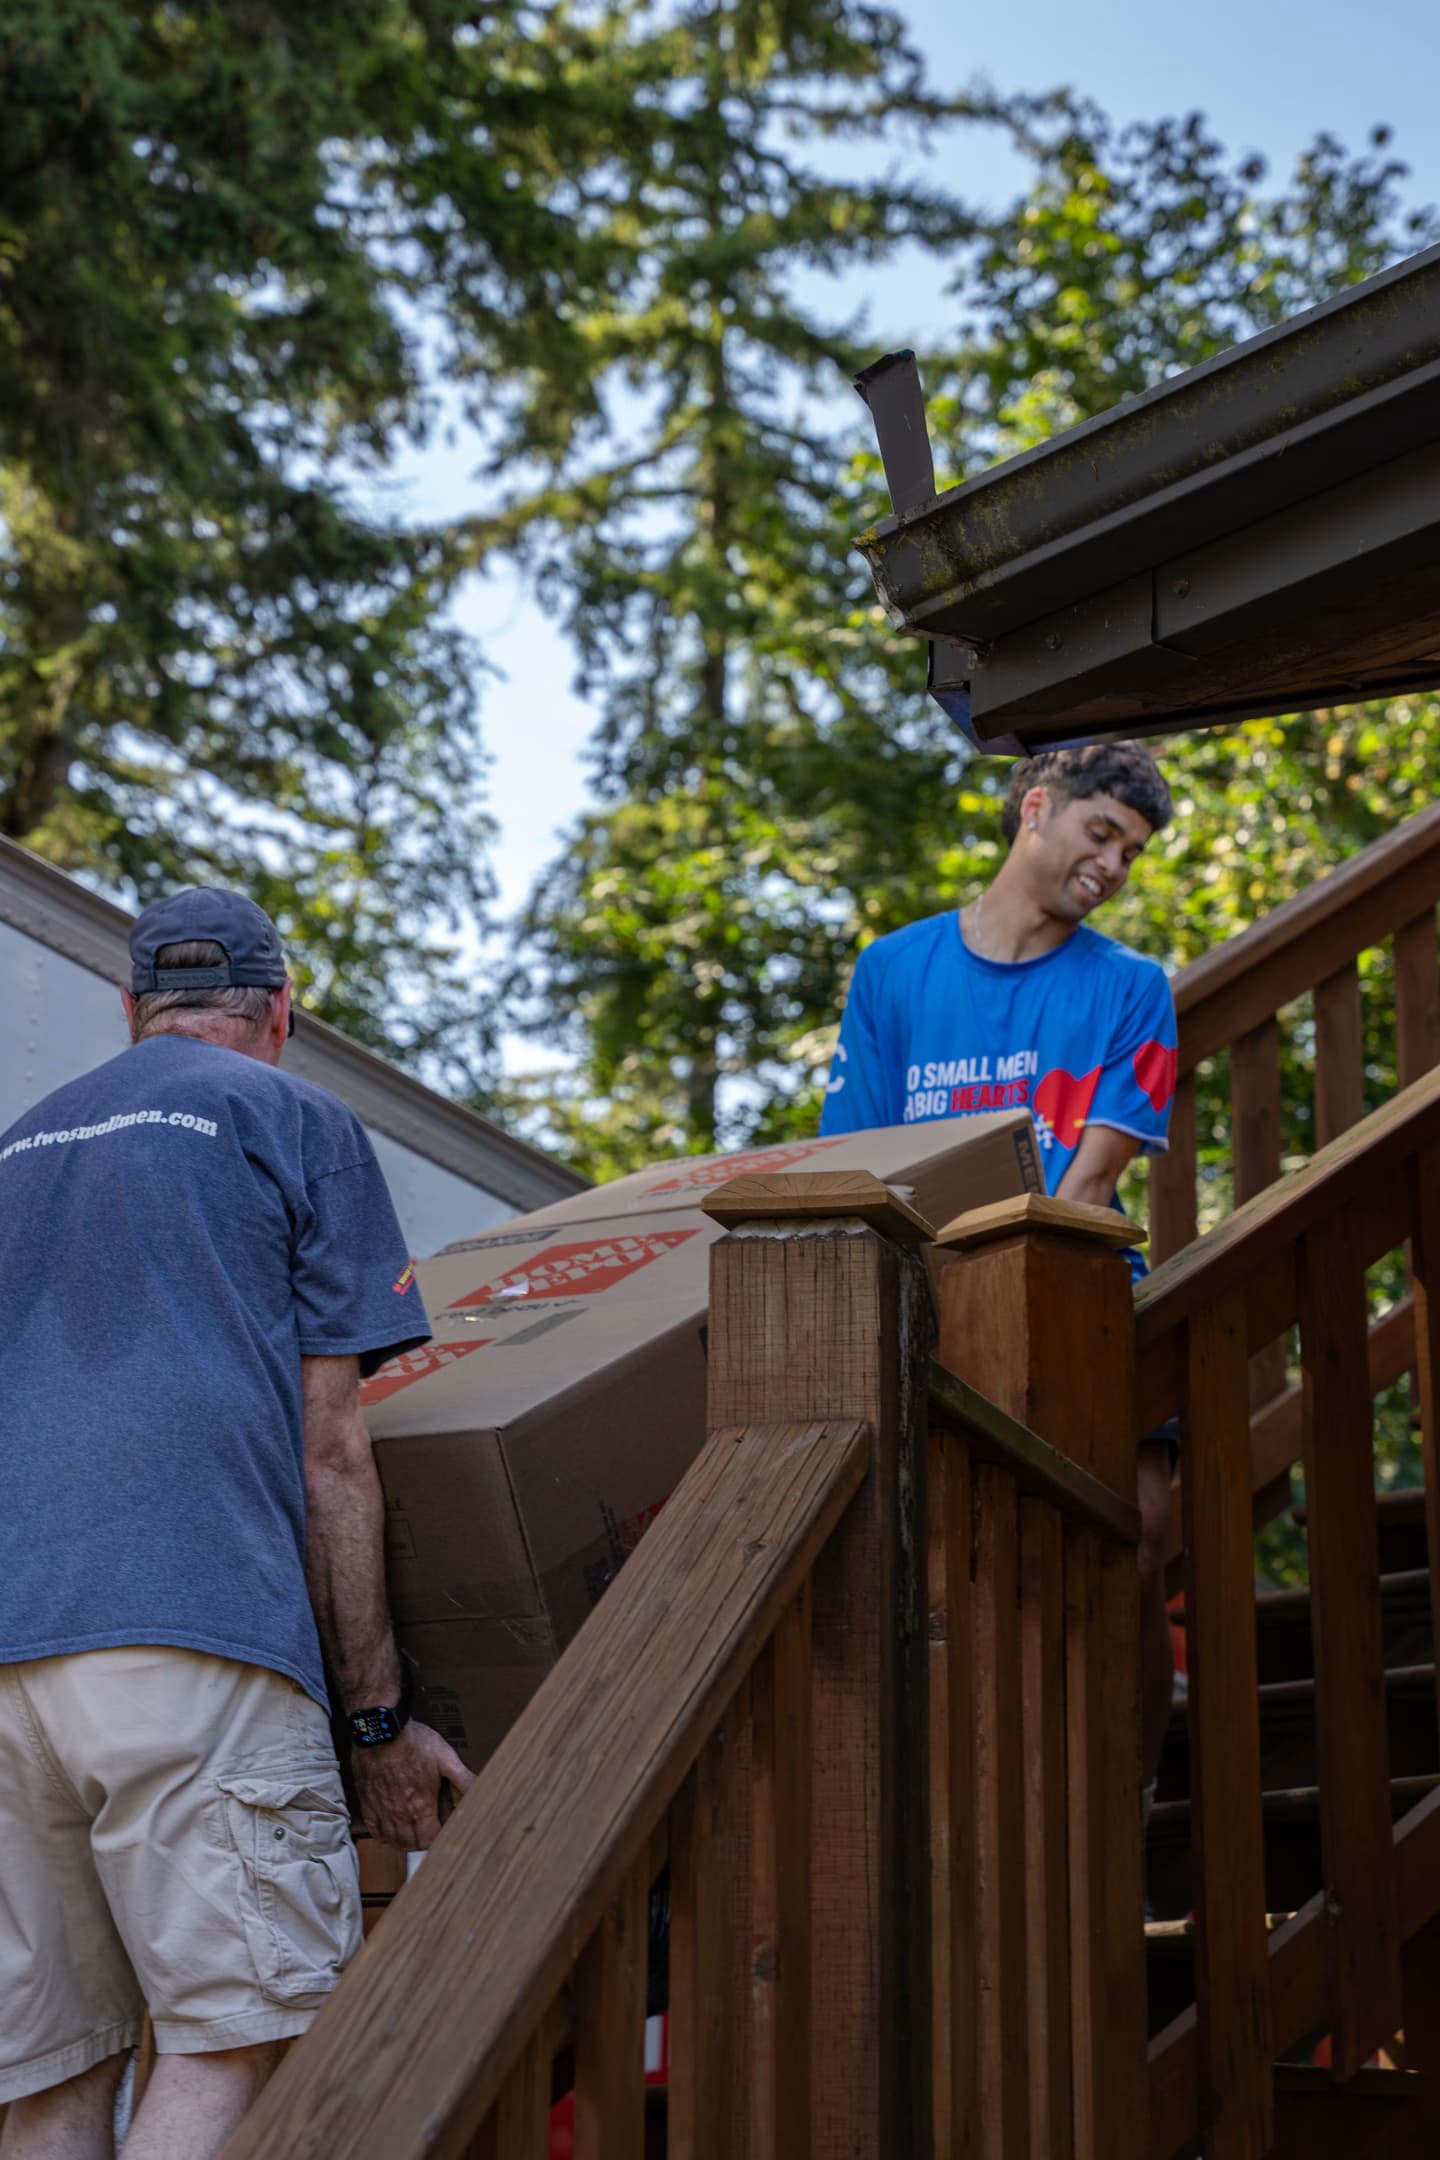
1121 769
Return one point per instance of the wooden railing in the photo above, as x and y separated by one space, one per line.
1034 1710
1232 997
1295 1256
884 1942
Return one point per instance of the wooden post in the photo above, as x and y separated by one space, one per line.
819 1296
1036 1311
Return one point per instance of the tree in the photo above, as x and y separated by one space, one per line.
758 821
225 235
685 519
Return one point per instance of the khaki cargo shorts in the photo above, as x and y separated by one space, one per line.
173 1837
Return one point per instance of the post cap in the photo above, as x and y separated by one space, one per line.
1036 1211
817 1196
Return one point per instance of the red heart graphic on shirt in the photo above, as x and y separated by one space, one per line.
1157 1070
1064 1102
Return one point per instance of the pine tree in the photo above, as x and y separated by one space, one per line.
225 235
687 525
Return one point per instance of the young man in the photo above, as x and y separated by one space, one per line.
198 1261
1017 1001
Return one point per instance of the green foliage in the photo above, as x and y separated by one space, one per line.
687 514
774 787
1142 251
223 231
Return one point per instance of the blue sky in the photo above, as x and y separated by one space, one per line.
1268 75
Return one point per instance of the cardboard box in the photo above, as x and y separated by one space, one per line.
525 1450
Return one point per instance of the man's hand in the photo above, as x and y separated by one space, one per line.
399 1783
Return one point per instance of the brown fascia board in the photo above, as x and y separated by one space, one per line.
45 904
1330 602
1351 384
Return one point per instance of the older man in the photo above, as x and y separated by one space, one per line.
198 1262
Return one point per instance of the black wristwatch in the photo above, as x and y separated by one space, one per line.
374 1728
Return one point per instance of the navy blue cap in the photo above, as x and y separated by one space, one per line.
251 943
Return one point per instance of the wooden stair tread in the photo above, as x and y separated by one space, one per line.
1299 1801
1399 1503
1281 1607
1177 1937
1278 1695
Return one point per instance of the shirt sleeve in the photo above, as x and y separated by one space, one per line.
353 1279
855 1095
1137 1082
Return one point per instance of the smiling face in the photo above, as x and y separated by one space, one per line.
1077 854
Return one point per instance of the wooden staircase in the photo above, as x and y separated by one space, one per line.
1392 2107
1289 1754
865 1698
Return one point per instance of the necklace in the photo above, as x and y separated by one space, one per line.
975 924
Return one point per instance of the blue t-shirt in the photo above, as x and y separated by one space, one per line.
1083 1035
177 1230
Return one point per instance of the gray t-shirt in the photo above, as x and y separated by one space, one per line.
177 1230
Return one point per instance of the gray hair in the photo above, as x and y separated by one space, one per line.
240 1003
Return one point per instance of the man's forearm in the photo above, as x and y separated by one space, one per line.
345 1570
1094 1188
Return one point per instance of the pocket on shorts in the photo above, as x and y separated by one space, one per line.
299 1877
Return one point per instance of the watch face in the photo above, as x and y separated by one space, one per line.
371 1728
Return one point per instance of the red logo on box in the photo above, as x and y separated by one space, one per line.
577 1270
727 1166
401 1372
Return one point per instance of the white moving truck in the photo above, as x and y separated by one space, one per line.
63 955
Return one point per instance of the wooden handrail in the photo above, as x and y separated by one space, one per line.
1234 987
1254 1249
1295 1255
433 2017
992 1436
1232 997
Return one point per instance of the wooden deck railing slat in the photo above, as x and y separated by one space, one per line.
779 1962
1353 1750
1417 997
953 1798
1122 1912
1425 1274
1174 1212
1339 1055
1004 2069
518 2127
1255 1157
1232 1978
1042 1691
1085 1844
610 2027
428 2023
703 1866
